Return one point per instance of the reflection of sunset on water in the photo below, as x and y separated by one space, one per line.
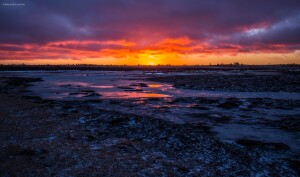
130 95
154 85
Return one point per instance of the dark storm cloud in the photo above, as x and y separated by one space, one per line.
283 32
210 21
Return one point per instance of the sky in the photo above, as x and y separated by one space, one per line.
149 32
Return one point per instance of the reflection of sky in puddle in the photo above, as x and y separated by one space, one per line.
102 86
69 84
116 90
155 85
108 84
133 95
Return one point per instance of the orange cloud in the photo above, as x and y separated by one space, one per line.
174 51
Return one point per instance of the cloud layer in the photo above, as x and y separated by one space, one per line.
98 28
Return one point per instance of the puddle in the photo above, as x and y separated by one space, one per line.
232 132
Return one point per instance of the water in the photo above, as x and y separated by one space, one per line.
134 94
112 84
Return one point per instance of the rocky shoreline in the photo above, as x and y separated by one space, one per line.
75 138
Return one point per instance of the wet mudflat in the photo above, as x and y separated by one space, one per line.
136 126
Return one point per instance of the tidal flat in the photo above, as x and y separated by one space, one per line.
155 122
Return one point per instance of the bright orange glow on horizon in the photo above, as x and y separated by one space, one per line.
169 51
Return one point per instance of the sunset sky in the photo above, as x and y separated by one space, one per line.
149 32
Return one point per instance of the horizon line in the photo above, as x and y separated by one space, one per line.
158 65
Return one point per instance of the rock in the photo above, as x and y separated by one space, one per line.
139 85
88 91
261 144
153 99
114 102
82 120
76 93
18 150
125 87
90 137
230 103
115 122
199 107
131 122
32 152
134 90
66 85
93 95
95 147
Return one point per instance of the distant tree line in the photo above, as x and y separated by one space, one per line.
235 65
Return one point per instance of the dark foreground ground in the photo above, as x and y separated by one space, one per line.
56 138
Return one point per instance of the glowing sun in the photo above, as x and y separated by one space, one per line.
151 63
